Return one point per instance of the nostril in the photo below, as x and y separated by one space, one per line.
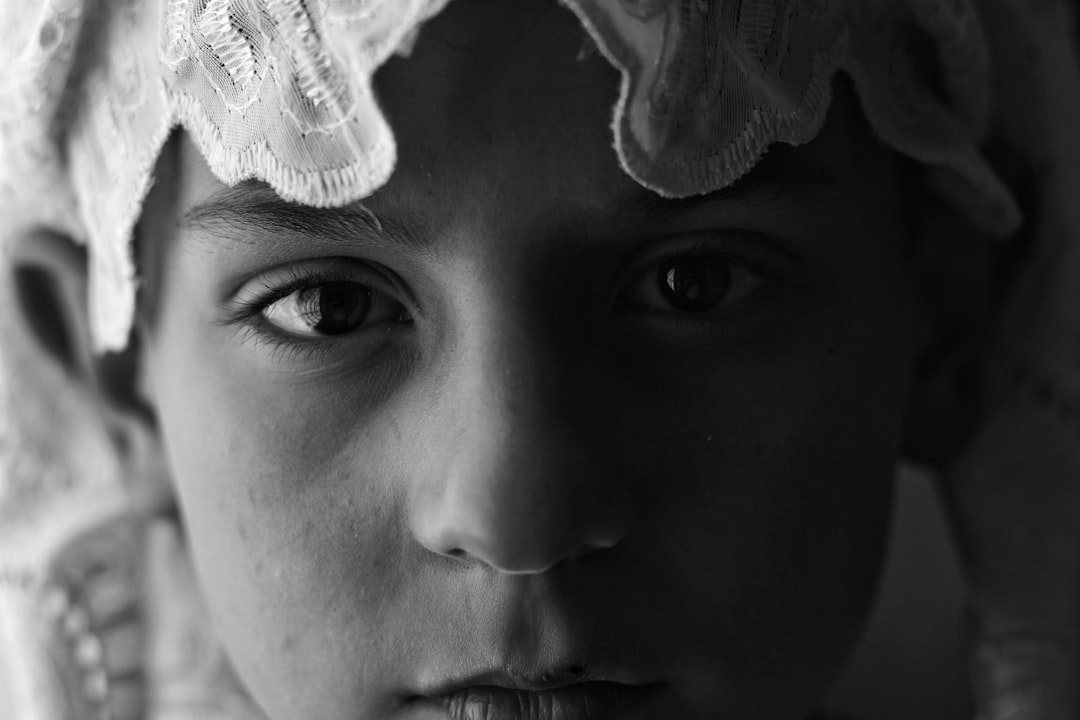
456 553
587 548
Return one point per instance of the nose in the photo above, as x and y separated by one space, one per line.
515 480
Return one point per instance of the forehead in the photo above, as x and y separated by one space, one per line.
502 114
527 96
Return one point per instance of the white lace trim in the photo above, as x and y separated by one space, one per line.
89 99
280 90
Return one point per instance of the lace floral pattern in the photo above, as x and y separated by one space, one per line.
280 90
734 77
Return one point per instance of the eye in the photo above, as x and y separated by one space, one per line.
330 308
693 283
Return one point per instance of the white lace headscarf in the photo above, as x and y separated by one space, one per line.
280 90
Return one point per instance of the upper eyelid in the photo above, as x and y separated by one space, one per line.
736 243
240 307
295 275
756 252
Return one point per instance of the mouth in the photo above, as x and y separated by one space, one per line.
506 698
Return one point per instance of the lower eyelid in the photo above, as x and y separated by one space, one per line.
737 267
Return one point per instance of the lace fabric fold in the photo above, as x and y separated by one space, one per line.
280 90
708 87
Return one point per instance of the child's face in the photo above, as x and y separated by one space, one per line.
520 459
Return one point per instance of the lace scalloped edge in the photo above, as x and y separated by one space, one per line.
113 308
975 183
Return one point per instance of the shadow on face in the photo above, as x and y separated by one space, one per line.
514 420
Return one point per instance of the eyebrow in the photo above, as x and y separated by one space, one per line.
233 212
773 182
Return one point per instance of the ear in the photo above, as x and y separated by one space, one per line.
51 287
955 274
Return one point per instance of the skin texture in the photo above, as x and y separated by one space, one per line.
546 468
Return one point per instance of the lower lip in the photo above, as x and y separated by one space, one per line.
584 701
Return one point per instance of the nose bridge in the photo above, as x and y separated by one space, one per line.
517 487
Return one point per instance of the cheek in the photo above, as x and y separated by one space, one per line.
306 571
761 480
295 531
773 480
775 556
762 509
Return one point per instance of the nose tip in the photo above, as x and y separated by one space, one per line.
519 536
516 474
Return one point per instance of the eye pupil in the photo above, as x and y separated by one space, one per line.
695 284
338 307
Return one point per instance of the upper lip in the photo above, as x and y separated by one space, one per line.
572 694
540 681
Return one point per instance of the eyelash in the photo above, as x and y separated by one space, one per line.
702 247
298 278
247 316
285 349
